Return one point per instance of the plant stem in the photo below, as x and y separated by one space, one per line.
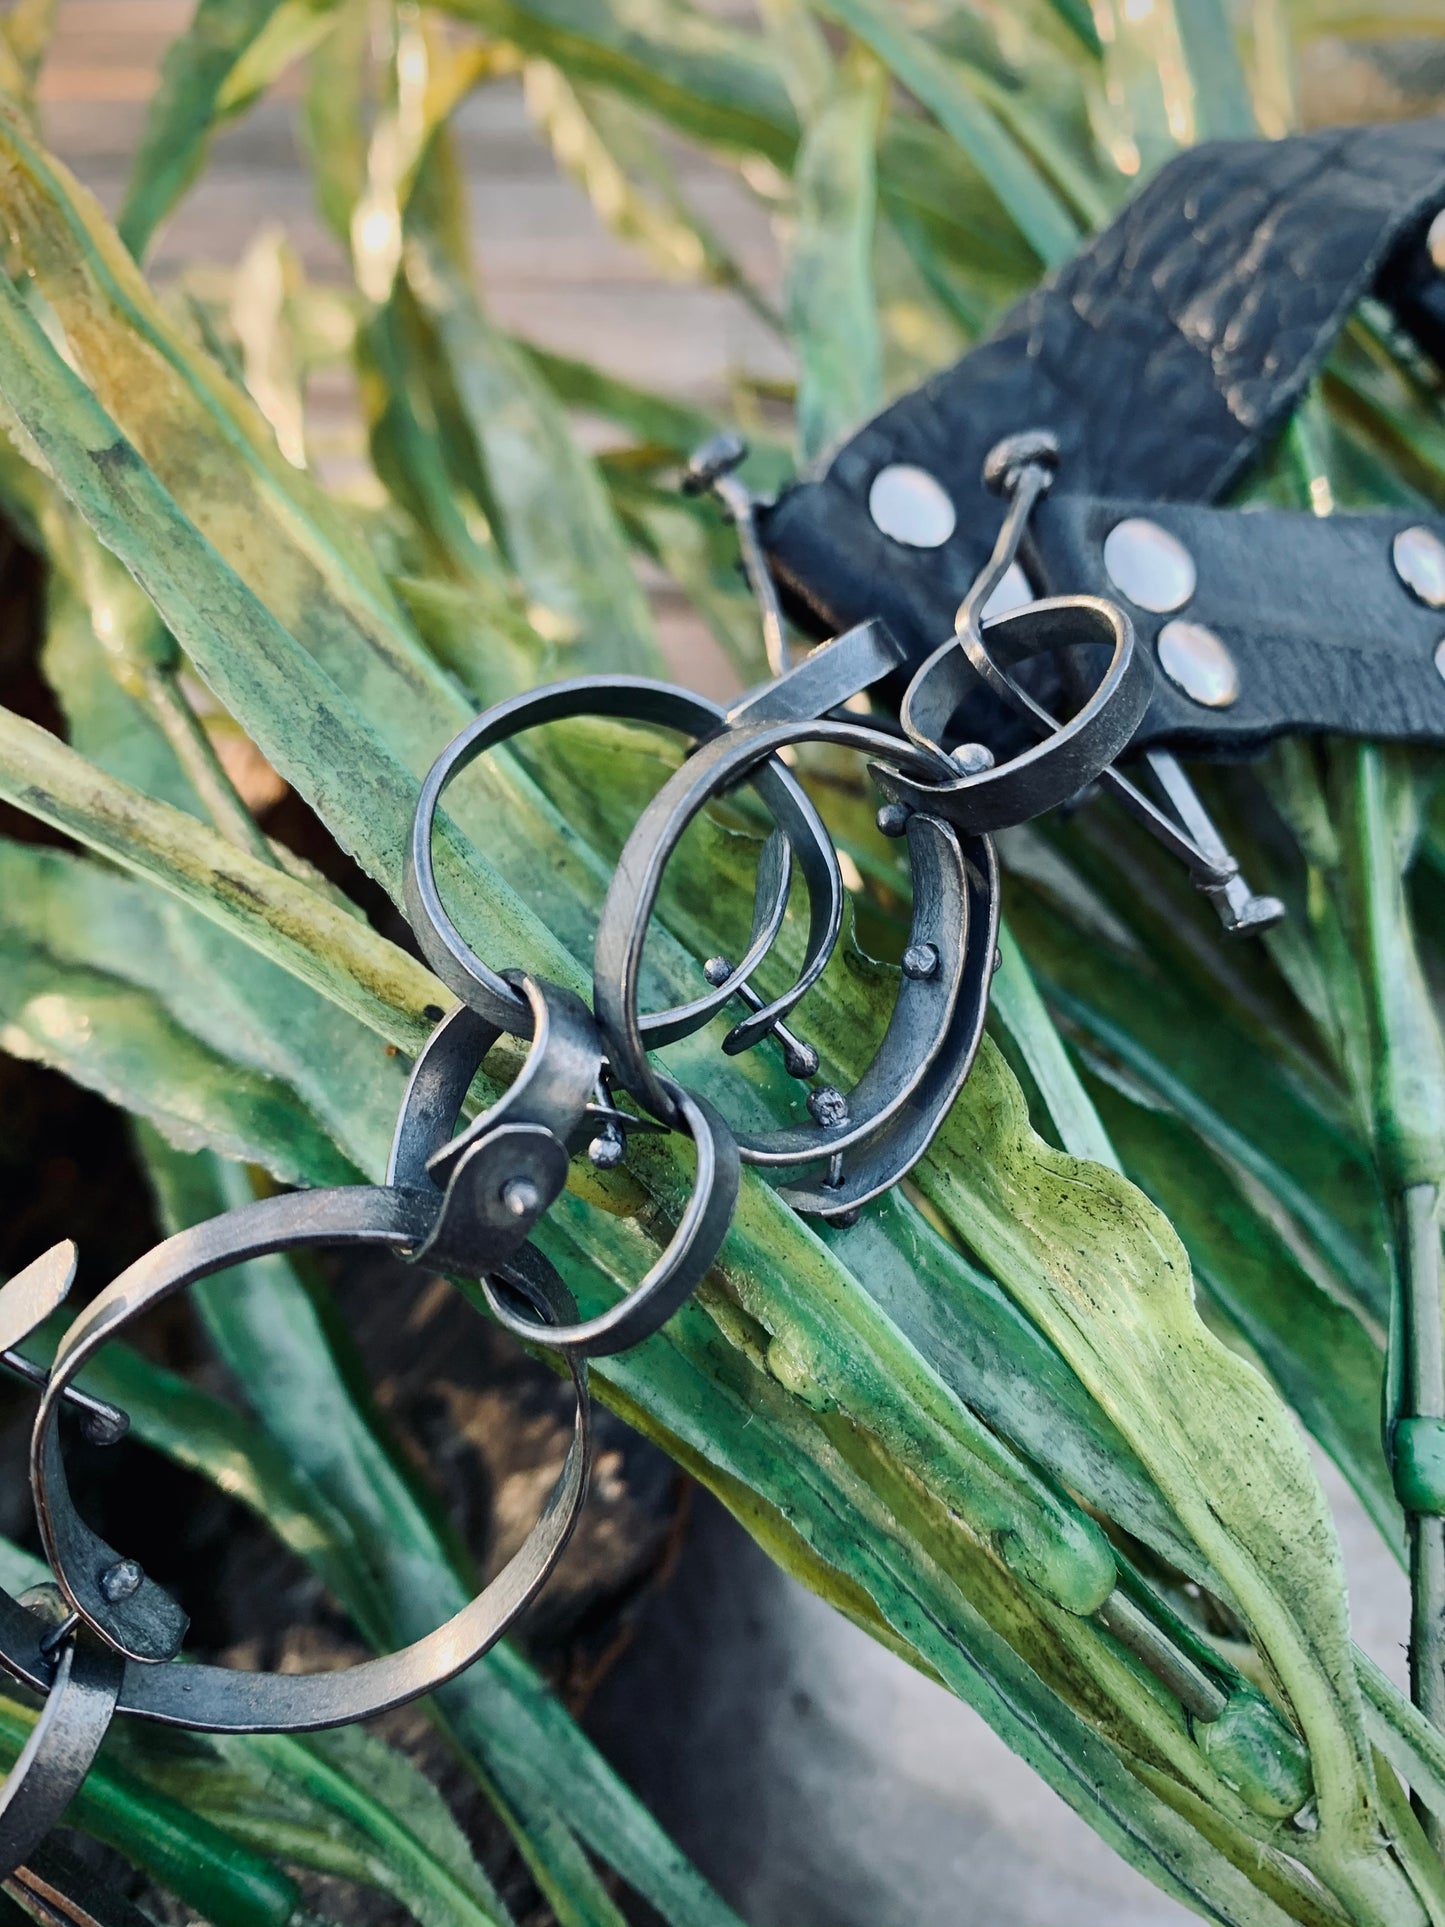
1409 1099
1424 1337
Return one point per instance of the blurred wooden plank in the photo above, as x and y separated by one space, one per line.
551 271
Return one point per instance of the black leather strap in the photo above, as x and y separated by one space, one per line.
1163 356
1323 633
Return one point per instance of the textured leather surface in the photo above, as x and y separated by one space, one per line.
1164 356
1323 633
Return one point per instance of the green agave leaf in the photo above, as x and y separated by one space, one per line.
611 151
231 52
718 85
1079 21
1050 121
688 540
334 114
340 1803
801 52
657 419
316 941
27 31
1316 1350
222 1880
477 630
552 514
1130 1330
1172 75
233 1000
204 435
318 741
410 454
1222 103
683 64
1180 1035
1403 1735
1031 203
832 309
874 1557
1015 1001
263 315
1381 824
1245 1250
998 1363
303 713
114 1037
561 1871
1351 1271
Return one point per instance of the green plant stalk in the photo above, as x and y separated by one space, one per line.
1409 1116
1424 1339
326 946
225 1882
1407 1105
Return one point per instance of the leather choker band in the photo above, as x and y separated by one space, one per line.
1163 358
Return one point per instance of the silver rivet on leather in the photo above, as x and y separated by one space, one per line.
1149 565
1196 661
1419 557
912 506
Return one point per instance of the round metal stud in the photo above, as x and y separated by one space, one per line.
1419 557
1440 657
1149 565
911 505
1435 241
1196 661
920 960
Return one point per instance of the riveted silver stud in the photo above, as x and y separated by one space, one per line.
828 1107
1149 565
121 1581
912 506
1196 661
920 961
1419 557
